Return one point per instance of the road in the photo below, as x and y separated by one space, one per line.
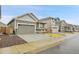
69 46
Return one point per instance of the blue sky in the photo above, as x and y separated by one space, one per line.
69 13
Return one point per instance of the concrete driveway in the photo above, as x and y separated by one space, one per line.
34 37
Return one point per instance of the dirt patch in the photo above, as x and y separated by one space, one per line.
7 41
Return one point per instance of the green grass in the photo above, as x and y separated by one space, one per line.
55 35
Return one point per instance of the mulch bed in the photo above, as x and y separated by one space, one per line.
7 41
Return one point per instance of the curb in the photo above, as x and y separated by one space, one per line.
52 44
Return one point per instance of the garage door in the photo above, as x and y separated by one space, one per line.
25 29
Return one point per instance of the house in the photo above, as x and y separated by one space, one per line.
69 28
2 27
40 27
51 24
26 24
63 26
76 28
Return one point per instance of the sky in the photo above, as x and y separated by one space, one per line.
69 13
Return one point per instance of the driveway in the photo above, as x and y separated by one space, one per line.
10 40
34 37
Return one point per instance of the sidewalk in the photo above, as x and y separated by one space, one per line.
33 47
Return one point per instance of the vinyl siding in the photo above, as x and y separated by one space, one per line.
26 18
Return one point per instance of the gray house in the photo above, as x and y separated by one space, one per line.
24 24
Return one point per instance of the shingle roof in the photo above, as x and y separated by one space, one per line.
47 18
30 14
2 24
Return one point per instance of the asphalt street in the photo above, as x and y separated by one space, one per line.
69 46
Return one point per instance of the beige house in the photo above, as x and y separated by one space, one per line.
69 28
63 26
40 27
51 24
76 28
26 24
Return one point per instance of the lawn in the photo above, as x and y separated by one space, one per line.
55 35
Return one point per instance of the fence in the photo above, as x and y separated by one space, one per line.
6 30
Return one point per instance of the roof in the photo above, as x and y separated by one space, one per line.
41 22
2 24
63 21
47 18
30 14
11 21
52 18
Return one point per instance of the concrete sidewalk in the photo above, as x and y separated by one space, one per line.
32 47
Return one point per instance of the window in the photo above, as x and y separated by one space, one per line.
41 25
55 27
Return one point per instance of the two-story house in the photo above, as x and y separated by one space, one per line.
63 26
76 28
51 24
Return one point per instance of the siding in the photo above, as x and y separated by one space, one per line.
26 18
20 21
2 25
48 23
26 22
11 24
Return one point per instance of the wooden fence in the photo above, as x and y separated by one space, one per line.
6 30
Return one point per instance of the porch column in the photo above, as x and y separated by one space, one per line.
39 25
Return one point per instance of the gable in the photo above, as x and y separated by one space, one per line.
2 24
63 23
28 17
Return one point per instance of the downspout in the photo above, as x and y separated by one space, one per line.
14 26
50 26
